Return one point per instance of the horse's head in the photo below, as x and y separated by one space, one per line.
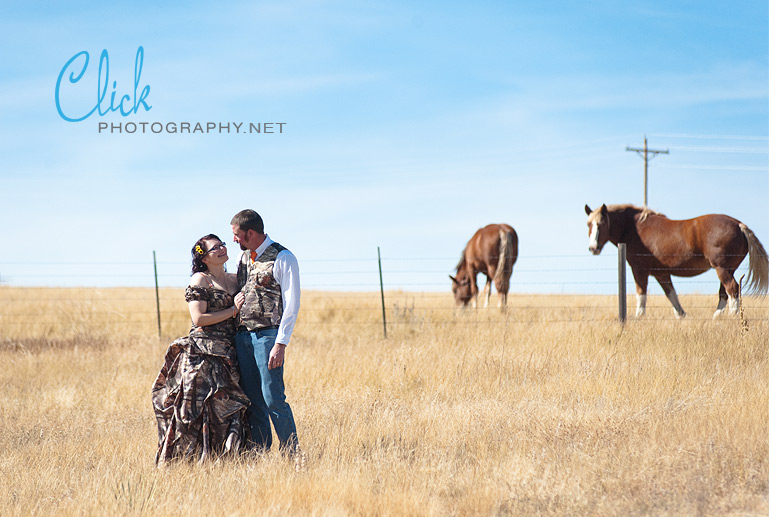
597 228
460 286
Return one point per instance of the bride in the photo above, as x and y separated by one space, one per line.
198 402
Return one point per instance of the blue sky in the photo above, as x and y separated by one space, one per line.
408 126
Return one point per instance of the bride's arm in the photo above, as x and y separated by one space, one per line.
201 318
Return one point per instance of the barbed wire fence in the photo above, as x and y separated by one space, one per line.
375 292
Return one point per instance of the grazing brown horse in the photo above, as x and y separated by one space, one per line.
662 247
492 251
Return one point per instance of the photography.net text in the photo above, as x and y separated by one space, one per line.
191 127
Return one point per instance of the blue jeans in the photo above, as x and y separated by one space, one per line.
265 390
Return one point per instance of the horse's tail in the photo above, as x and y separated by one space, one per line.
505 254
758 266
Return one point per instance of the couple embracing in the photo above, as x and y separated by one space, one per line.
222 385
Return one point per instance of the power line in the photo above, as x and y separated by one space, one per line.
712 137
646 151
753 150
716 168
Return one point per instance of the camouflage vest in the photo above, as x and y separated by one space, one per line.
264 303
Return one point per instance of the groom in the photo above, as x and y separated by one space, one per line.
268 279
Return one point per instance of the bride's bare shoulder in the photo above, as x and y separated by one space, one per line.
198 280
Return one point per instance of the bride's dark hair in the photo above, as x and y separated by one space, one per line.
199 251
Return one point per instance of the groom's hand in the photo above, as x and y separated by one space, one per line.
277 354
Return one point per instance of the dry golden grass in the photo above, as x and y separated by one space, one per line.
549 408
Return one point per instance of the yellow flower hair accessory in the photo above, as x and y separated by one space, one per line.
198 249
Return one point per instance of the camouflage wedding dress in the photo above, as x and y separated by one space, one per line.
198 402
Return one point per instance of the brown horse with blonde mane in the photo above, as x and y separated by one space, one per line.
492 251
662 247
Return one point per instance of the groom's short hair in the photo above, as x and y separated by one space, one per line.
248 220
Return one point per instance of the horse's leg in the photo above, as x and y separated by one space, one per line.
491 272
729 284
474 288
641 283
502 288
487 292
667 285
721 301
502 285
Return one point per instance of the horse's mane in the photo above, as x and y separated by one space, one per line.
461 260
628 207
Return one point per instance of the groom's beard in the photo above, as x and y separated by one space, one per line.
242 247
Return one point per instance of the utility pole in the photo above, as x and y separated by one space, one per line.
646 151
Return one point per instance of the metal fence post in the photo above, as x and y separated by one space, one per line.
622 249
381 290
157 294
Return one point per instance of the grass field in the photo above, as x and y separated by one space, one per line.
551 407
